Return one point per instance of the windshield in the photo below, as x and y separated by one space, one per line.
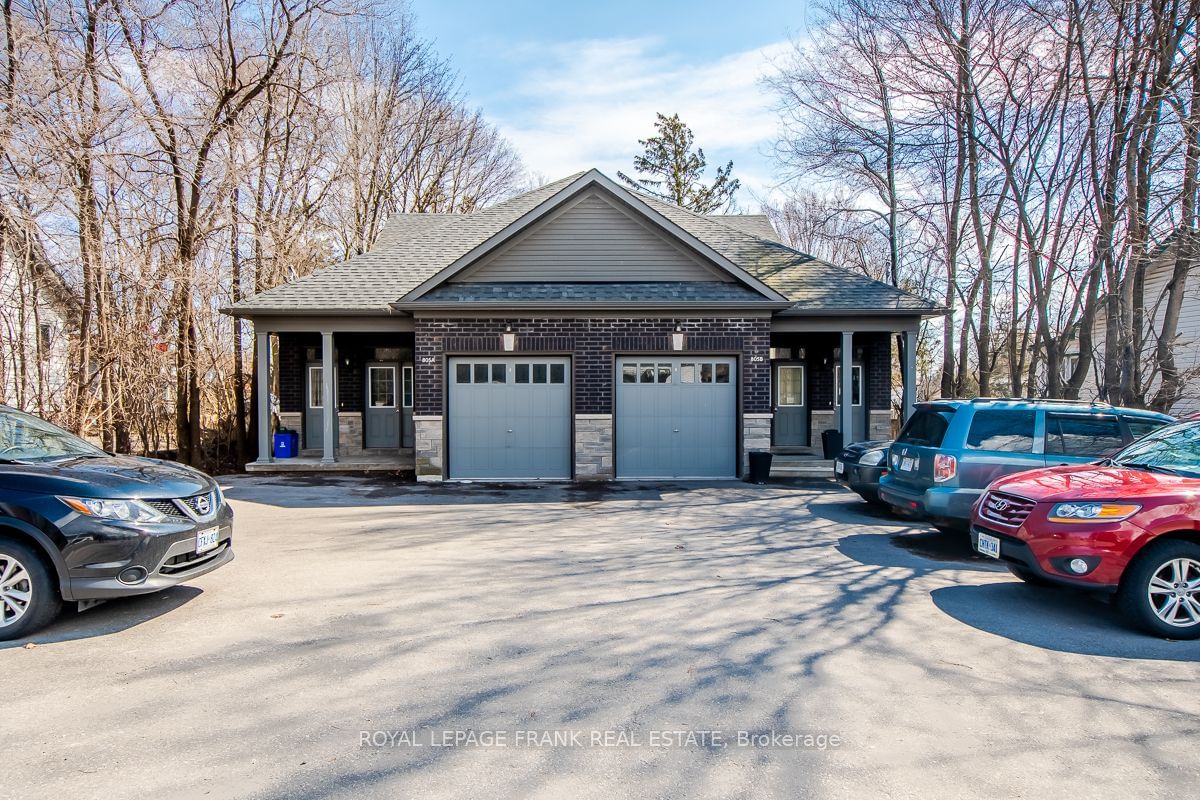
1172 449
24 437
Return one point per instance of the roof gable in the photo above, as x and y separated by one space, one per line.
631 203
591 239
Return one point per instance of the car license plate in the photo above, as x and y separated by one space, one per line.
838 467
207 539
988 545
908 464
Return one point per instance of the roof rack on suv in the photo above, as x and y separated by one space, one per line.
1058 400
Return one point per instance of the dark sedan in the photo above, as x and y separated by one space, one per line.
80 524
861 465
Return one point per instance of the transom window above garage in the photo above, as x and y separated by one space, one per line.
509 372
688 372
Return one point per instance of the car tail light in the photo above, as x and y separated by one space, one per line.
944 467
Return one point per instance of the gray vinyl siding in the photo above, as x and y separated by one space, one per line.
591 240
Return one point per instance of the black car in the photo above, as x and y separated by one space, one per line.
861 465
80 524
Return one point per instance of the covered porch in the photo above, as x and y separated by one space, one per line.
401 461
344 386
815 364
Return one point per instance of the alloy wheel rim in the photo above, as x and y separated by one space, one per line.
1174 592
16 590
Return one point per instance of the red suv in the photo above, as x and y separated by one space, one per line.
1129 524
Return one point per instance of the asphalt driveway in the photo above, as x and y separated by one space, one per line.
555 642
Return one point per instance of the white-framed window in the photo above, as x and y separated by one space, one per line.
855 384
381 384
407 389
316 388
1069 361
789 389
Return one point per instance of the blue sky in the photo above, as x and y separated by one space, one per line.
574 85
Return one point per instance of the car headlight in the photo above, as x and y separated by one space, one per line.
1093 512
120 510
872 458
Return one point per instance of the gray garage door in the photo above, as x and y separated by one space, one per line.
676 418
509 418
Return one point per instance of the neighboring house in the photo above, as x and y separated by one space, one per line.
579 330
1187 343
34 341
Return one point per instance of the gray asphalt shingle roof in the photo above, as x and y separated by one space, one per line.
412 248
812 284
754 224
698 291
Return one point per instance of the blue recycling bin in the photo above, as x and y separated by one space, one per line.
286 444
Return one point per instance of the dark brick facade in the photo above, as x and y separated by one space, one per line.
293 349
593 344
820 362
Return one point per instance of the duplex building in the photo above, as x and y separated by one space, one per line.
577 331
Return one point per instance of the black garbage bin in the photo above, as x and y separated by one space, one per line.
831 443
760 466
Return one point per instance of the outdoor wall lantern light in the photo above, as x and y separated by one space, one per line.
677 338
800 354
837 352
510 339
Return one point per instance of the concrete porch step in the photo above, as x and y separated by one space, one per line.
793 466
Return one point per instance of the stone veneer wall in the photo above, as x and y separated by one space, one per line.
594 447
756 435
350 433
822 421
879 425
291 420
427 451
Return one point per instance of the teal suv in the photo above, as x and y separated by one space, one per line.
950 450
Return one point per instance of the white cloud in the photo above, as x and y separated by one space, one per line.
585 104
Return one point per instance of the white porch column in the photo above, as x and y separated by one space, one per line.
328 400
262 352
846 411
908 370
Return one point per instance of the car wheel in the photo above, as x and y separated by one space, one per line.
1160 592
29 597
1029 576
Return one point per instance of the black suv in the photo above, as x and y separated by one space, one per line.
80 524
